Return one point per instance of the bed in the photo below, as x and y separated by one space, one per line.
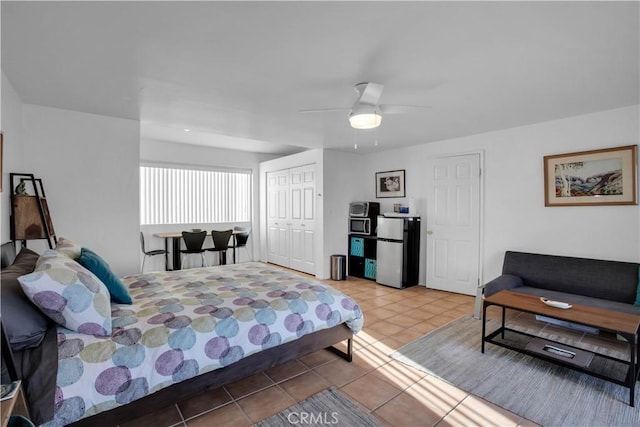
185 332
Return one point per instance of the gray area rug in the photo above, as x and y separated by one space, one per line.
329 407
547 394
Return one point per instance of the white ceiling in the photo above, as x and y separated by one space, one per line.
237 73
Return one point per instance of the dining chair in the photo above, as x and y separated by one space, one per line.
150 253
193 240
241 236
220 244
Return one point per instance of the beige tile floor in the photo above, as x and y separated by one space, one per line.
398 395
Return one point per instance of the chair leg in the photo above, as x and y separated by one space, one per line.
144 258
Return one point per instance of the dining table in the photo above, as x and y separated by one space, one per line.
176 241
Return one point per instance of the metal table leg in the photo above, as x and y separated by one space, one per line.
177 263
166 254
484 323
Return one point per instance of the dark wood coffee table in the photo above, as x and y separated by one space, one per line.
624 324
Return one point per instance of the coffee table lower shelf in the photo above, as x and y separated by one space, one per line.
596 364
592 363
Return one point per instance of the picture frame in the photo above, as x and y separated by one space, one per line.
606 176
390 184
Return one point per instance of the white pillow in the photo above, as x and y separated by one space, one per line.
69 294
68 247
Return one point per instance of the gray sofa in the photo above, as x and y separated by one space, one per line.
607 284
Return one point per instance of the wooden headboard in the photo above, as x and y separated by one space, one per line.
8 254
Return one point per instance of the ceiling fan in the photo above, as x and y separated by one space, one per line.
366 112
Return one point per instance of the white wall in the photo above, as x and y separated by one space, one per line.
12 150
338 182
89 168
515 217
163 152
344 182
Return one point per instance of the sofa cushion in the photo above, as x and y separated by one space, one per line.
501 283
609 280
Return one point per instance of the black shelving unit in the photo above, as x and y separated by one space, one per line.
362 256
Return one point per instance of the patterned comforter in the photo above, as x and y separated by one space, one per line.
186 323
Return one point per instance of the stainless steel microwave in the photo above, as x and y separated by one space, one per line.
359 209
360 226
364 209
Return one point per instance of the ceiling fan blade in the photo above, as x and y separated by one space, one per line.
368 102
402 109
324 110
370 93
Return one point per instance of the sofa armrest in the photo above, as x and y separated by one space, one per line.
501 283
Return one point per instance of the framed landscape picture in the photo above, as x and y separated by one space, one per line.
390 184
597 177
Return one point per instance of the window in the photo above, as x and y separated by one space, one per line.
175 195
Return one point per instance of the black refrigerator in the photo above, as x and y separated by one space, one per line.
398 251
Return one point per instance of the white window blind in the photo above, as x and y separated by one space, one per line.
186 196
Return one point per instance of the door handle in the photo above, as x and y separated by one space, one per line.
429 232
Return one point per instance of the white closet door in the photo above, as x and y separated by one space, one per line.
291 212
303 218
278 240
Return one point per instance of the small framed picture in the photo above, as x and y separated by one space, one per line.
390 184
598 177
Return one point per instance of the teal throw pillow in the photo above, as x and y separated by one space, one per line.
98 266
638 291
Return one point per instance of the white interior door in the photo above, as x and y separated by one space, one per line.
303 218
291 218
278 242
453 224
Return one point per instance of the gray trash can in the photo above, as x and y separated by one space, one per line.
338 267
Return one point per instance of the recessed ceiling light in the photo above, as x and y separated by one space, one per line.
187 130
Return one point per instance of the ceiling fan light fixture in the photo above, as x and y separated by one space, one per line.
368 120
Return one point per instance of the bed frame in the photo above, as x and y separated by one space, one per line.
255 363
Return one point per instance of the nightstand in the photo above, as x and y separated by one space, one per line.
17 405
